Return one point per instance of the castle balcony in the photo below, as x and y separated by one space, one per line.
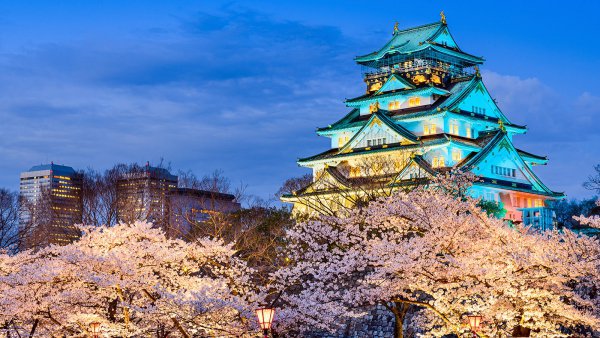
418 63
540 218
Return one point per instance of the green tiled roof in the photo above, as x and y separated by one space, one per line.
427 141
415 39
416 91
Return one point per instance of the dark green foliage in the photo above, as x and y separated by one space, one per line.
493 208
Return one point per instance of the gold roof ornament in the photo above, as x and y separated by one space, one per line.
374 107
396 30
477 73
501 124
443 17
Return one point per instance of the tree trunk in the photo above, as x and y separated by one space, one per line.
399 310
33 327
521 331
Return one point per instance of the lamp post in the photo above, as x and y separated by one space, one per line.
95 328
265 319
475 323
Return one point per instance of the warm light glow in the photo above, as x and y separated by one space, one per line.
95 328
474 322
265 317
414 101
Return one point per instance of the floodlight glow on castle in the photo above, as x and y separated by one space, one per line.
426 110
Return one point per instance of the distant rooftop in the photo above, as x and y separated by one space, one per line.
203 193
148 171
54 167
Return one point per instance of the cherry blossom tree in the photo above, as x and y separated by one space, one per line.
133 280
434 253
591 221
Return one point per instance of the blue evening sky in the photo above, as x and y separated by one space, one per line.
242 85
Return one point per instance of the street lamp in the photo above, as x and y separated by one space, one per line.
95 328
265 319
475 323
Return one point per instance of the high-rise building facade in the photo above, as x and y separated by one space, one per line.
426 111
51 205
144 195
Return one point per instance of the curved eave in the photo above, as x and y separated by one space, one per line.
370 98
475 60
435 29
549 193
333 154
529 157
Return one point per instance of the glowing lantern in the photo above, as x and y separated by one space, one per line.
95 328
265 319
474 322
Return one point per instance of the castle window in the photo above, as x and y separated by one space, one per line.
394 105
456 155
376 142
414 101
438 162
478 110
503 171
454 128
429 129
468 132
342 140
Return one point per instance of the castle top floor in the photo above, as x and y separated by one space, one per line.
424 55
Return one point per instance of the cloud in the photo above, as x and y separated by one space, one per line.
235 90
562 127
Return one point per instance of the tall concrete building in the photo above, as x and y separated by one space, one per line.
51 205
144 195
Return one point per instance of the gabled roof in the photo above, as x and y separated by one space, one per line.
330 176
420 162
498 138
348 121
381 116
476 83
417 91
395 82
426 141
416 39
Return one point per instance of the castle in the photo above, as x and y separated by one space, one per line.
426 111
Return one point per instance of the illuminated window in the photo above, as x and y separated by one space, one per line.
414 101
456 155
438 162
394 105
468 131
538 203
343 140
454 128
429 129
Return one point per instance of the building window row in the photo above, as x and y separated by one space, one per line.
503 171
429 129
376 142
438 162
478 110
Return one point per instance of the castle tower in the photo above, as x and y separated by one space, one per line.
426 111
